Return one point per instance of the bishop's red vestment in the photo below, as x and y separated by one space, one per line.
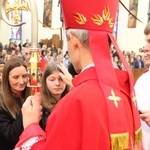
80 120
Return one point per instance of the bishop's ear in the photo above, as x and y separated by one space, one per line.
74 41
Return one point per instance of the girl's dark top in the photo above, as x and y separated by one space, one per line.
45 114
10 129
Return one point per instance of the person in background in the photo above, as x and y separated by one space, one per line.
54 55
138 62
20 55
1 46
16 48
127 58
59 50
44 47
6 47
132 62
26 43
100 112
7 57
11 45
13 54
48 56
59 58
43 53
54 49
53 88
14 92
142 93
3 55
27 55
114 52
2 64
20 45
41 43
66 59
117 61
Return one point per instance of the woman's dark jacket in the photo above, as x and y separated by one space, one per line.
10 130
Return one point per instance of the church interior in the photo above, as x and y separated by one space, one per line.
90 80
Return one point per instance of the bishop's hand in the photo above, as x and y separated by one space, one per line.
65 75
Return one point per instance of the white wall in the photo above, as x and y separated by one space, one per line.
4 32
43 32
131 39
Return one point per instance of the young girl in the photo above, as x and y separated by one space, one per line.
54 87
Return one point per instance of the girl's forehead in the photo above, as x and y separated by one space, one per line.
55 73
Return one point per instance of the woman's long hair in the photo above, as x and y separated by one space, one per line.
8 100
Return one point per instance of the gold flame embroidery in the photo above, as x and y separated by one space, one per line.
80 18
111 22
97 19
106 14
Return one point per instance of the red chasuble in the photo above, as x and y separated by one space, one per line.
80 120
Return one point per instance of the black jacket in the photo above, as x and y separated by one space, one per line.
10 130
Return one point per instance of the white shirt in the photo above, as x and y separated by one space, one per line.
142 92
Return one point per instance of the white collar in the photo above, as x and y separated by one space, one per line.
88 66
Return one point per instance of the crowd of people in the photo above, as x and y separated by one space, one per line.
135 60
23 50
